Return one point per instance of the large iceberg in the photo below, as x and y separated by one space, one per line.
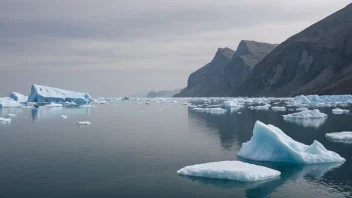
43 94
230 170
9 102
18 97
269 143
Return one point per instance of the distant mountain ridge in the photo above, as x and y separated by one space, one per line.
165 93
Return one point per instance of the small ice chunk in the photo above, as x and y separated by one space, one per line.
308 122
306 114
340 111
216 110
277 108
83 123
87 106
5 120
340 136
63 117
302 109
230 170
270 143
53 105
263 107
11 115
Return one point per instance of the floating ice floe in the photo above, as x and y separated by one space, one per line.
231 104
18 97
276 108
44 94
63 117
87 106
5 120
53 105
345 136
270 143
308 122
83 123
315 113
324 100
263 107
302 109
216 110
7 102
28 107
340 111
11 115
230 170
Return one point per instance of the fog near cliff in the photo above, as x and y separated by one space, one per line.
115 48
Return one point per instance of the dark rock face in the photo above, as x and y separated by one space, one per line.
226 71
208 80
317 60
247 55
165 93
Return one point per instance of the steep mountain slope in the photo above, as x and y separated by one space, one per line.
317 60
247 55
208 80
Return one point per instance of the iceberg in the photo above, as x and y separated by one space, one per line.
11 115
306 114
18 97
345 136
9 102
5 120
53 105
270 143
231 104
43 94
307 122
277 108
230 170
324 100
83 123
340 111
302 109
216 110
63 117
263 107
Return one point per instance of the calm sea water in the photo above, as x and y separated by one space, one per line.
134 150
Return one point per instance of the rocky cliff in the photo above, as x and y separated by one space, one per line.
317 60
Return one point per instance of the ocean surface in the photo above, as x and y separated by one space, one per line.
134 150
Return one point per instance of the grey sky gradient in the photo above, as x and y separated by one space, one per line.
116 48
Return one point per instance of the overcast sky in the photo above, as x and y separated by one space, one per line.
115 47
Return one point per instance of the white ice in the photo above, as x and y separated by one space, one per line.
83 123
277 108
9 102
11 115
302 109
5 120
306 114
230 170
53 105
41 93
87 106
270 143
63 117
340 111
340 136
18 97
263 107
308 122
